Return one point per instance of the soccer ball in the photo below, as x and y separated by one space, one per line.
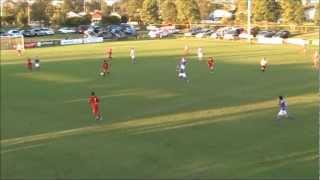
101 73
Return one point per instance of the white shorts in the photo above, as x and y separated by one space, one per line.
282 113
132 57
200 56
183 75
37 65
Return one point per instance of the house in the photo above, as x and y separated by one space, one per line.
309 13
96 16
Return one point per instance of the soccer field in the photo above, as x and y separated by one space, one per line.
219 125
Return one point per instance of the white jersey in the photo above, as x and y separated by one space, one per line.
19 47
132 53
200 53
263 62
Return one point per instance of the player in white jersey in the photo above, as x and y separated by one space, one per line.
263 64
181 68
200 54
19 49
133 55
282 108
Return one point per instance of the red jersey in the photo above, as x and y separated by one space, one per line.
105 66
29 64
210 62
109 51
93 100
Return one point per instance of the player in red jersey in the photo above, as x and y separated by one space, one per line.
29 64
104 68
210 64
109 52
93 101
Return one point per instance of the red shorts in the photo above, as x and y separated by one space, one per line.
94 109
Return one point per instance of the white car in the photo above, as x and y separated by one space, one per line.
66 30
47 31
14 32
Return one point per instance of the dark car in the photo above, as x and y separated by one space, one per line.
28 33
282 34
82 28
266 34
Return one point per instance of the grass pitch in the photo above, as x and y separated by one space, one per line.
220 125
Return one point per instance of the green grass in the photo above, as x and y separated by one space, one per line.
218 125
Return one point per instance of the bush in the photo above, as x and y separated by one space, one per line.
110 20
76 21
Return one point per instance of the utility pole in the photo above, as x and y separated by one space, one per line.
84 6
1 8
28 12
249 20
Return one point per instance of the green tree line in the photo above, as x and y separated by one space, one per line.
152 11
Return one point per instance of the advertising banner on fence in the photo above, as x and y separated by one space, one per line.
92 40
270 40
296 41
48 43
71 41
30 44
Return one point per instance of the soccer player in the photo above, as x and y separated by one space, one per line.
104 68
283 108
19 49
210 64
133 55
316 60
29 64
93 101
182 75
37 63
263 64
200 54
109 52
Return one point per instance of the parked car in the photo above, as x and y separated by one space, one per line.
66 30
38 32
82 28
14 32
265 34
47 31
27 33
282 34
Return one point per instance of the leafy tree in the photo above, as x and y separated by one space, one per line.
188 11
205 8
39 11
266 10
292 11
150 11
168 11
22 18
317 15
72 5
106 20
241 11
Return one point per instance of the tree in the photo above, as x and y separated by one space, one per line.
72 5
206 7
317 15
188 11
241 11
266 10
106 20
168 11
39 11
292 11
21 16
150 11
